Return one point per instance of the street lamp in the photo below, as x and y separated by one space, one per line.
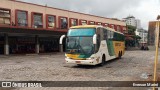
156 54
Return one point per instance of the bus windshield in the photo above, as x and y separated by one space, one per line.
80 41
82 32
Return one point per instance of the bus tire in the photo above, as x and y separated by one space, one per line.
119 55
103 60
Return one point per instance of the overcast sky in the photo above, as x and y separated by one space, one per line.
145 10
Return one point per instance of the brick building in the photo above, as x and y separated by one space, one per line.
32 28
152 32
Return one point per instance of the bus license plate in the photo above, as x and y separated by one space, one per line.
78 62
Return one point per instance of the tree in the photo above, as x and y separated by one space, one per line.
131 30
137 37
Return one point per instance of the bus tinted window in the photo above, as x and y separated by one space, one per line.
108 34
112 35
118 37
81 32
104 34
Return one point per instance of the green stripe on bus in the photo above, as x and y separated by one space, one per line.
110 47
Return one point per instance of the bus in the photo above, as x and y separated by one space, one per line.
92 45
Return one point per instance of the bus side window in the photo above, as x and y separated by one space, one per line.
105 34
112 35
115 37
118 37
100 33
122 37
98 39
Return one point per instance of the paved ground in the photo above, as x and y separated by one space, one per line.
134 66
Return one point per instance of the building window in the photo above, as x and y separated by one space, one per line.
99 23
21 18
105 24
51 21
83 22
125 30
37 20
5 16
91 23
63 23
73 22
118 29
112 26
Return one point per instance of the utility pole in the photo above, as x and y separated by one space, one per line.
156 54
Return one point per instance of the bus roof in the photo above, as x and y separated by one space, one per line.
93 26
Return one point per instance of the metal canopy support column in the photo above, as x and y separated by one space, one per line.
37 44
6 45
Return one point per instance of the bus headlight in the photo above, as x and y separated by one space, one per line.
68 58
90 58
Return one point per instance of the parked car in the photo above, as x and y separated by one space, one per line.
144 46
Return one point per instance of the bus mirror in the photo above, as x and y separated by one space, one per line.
95 39
61 39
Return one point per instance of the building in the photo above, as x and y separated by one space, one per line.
138 24
131 20
32 28
152 33
143 34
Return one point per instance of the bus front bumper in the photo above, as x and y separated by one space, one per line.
82 62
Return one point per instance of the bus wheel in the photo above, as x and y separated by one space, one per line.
119 55
103 60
